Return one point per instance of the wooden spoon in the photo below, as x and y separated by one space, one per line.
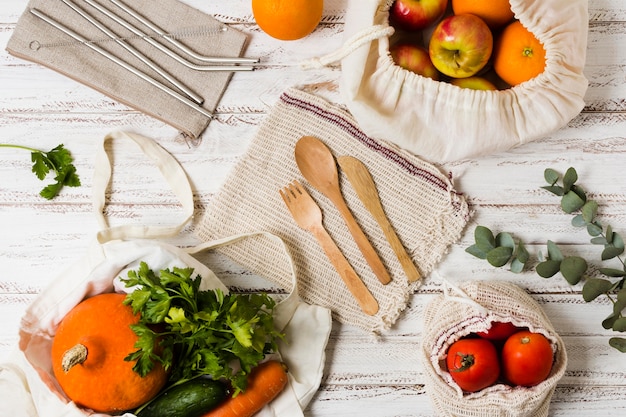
318 166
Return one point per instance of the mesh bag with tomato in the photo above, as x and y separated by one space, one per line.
452 79
489 350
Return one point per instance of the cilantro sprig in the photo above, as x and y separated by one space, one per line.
58 160
197 332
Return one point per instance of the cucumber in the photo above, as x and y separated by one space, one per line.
189 399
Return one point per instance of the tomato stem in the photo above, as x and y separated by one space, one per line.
467 361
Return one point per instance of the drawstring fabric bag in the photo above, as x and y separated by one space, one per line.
441 122
27 385
471 308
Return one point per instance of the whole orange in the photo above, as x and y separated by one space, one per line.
88 354
518 55
495 13
287 20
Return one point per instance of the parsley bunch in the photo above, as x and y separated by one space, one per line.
58 160
195 332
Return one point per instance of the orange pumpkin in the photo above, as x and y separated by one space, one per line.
88 354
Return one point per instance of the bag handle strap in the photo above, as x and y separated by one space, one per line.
169 168
353 43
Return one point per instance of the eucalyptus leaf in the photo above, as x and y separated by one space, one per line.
594 229
608 322
578 221
548 269
571 202
609 233
612 272
620 304
617 240
521 253
554 253
620 325
595 287
505 239
589 211
484 238
517 266
611 252
476 251
579 192
573 268
569 179
618 343
499 256
555 189
599 240
551 176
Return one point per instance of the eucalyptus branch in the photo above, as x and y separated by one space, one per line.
501 249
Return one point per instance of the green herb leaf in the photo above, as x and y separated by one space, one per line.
611 252
548 269
589 211
476 251
595 287
499 256
569 179
578 221
620 325
551 176
484 238
199 332
573 268
505 239
618 343
554 253
571 202
611 272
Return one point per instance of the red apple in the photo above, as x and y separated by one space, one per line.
414 15
474 83
461 45
414 58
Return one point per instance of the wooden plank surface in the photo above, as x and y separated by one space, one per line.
362 376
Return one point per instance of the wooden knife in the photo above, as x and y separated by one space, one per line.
363 183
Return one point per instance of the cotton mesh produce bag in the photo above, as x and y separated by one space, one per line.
420 200
471 308
442 122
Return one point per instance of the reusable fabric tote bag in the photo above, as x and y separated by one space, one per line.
27 384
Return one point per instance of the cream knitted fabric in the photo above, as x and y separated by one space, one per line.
419 200
469 309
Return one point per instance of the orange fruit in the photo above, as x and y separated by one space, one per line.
287 20
518 55
495 13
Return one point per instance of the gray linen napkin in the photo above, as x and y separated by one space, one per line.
38 41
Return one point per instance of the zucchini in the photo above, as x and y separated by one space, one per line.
189 399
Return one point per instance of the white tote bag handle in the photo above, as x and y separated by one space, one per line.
171 171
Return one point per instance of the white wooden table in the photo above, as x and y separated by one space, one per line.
38 238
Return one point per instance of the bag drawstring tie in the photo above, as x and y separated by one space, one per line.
357 40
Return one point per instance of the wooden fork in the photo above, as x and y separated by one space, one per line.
308 216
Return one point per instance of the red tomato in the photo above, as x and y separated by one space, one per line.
473 364
526 358
499 331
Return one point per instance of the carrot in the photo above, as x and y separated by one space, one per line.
265 382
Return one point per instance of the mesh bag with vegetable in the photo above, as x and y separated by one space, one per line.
468 314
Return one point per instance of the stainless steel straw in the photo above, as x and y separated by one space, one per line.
180 46
116 60
195 97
